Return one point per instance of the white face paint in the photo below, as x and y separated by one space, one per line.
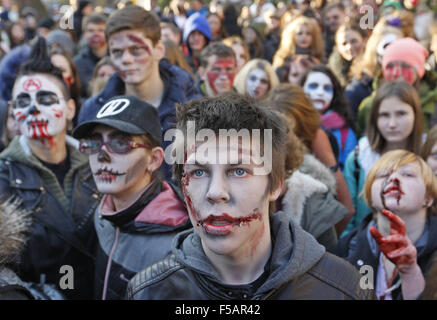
318 87
385 41
119 175
257 83
40 107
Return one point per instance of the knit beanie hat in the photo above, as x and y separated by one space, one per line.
406 50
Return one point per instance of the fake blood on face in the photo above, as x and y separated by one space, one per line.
224 223
396 187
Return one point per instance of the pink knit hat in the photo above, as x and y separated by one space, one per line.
407 50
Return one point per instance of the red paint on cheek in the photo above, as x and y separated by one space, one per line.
32 85
58 113
393 74
223 65
20 116
185 182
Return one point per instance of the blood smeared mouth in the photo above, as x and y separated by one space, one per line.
227 220
38 129
391 188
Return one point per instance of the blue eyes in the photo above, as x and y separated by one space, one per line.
200 173
314 85
239 172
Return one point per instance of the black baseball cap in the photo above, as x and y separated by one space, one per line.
127 114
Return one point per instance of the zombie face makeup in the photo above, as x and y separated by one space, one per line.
400 71
257 83
400 191
318 87
432 159
395 120
219 74
118 174
39 107
228 204
132 54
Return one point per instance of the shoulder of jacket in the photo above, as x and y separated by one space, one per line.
340 274
152 274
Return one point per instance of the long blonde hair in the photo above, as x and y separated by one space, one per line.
287 47
242 75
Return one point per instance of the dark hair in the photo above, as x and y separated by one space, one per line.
95 18
39 62
134 18
339 102
234 111
215 49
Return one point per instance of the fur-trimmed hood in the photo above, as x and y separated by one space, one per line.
300 187
14 222
314 168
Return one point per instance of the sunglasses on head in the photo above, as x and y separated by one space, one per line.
114 145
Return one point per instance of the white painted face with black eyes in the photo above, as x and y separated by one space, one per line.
40 107
257 83
319 88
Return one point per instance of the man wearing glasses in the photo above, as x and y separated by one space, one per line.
44 169
139 214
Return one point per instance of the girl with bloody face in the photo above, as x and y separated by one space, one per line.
400 188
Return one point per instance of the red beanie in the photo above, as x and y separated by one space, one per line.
407 50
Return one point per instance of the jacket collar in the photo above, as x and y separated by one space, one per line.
18 151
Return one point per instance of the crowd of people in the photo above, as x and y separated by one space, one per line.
123 171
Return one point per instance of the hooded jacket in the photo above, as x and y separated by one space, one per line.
298 268
360 248
178 88
136 237
62 231
198 22
310 202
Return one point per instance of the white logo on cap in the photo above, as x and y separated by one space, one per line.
113 107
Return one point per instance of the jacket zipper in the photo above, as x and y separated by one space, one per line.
108 266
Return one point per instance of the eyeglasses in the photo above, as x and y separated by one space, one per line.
116 145
44 98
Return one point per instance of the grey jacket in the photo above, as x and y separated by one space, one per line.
298 268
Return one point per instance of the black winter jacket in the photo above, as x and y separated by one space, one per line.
299 268
85 62
62 232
